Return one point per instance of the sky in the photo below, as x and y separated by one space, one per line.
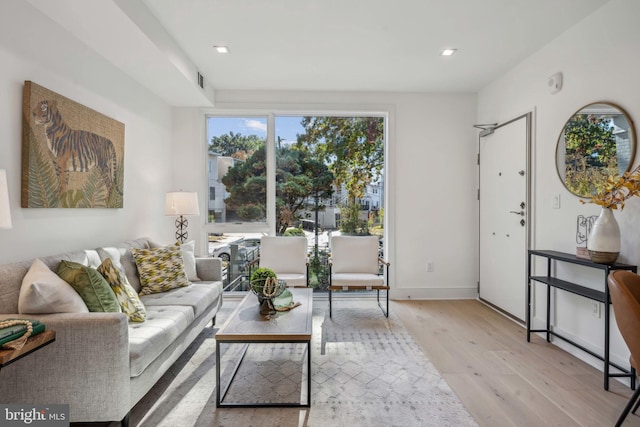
287 127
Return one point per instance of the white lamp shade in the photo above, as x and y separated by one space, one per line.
181 203
5 209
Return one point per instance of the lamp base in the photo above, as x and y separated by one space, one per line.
181 232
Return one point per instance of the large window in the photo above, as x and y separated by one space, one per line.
292 174
237 169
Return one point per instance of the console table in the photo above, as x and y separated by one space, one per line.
33 343
593 294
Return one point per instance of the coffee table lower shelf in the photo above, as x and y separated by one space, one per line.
221 392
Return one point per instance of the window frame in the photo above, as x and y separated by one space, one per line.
269 227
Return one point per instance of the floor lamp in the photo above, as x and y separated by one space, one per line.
181 204
5 208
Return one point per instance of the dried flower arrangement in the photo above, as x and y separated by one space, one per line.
618 190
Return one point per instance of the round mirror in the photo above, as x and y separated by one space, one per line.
598 141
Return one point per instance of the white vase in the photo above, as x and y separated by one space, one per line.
604 239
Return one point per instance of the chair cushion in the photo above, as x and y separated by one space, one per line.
356 280
354 254
294 280
284 254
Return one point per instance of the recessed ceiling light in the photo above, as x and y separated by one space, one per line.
221 49
448 52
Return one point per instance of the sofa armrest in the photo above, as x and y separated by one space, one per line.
86 367
209 269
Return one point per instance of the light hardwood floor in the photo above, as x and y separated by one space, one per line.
500 378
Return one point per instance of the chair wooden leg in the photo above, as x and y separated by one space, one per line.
628 407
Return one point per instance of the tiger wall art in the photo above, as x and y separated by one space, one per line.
72 156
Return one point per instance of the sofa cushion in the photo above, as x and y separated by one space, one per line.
43 291
160 269
123 260
189 258
127 297
90 285
149 339
198 296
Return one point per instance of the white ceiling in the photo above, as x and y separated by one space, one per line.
316 45
364 45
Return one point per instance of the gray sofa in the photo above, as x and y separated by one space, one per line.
101 364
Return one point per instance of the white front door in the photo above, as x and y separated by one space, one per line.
504 215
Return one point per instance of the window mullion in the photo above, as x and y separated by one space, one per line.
271 174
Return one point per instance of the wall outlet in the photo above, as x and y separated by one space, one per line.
429 266
595 309
555 204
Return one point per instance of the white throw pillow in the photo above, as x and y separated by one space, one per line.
43 291
189 259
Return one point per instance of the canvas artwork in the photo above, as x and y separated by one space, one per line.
72 156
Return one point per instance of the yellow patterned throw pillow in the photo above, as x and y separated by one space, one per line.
125 294
160 269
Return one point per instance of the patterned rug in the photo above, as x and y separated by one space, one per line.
366 371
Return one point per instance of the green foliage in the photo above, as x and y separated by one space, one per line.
235 145
297 178
71 199
587 180
350 222
590 154
292 231
353 148
590 137
319 270
258 278
116 196
247 187
95 191
44 185
260 274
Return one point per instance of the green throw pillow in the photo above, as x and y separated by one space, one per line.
125 294
90 285
160 269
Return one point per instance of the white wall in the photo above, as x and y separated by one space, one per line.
599 61
33 48
432 175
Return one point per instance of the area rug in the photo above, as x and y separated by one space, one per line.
366 371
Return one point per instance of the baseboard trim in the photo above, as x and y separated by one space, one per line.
433 293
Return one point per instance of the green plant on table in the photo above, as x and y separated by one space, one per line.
264 282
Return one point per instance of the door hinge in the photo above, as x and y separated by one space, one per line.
478 159
478 194
478 286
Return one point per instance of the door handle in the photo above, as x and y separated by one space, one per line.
521 213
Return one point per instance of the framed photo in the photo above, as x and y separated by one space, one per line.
72 156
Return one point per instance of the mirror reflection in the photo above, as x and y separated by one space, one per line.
598 141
